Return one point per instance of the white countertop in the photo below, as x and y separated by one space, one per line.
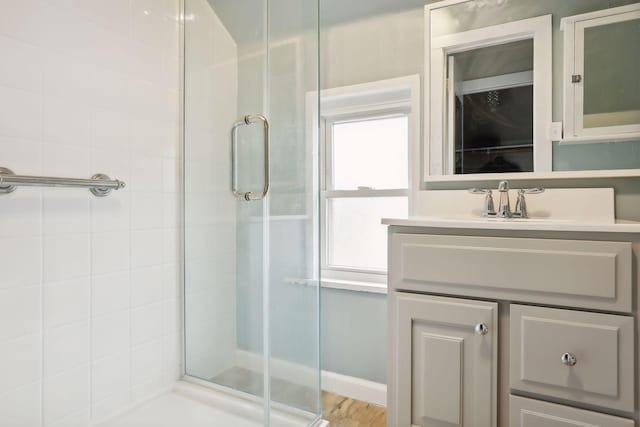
533 224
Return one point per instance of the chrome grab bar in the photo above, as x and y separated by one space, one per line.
248 121
100 185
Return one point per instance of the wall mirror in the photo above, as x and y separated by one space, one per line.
516 89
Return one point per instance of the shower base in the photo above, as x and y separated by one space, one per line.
192 405
282 391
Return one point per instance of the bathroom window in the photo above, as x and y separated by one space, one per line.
366 179
370 134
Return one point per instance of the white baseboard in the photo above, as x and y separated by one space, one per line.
355 388
344 385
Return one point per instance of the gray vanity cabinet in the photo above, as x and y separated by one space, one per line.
445 361
512 329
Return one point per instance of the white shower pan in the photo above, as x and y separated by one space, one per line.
192 405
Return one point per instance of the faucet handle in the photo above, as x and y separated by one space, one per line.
521 204
536 190
479 191
489 207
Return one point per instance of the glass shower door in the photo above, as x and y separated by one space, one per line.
292 212
251 320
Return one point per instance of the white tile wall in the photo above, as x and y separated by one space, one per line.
89 296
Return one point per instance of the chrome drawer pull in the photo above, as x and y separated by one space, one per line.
482 329
569 359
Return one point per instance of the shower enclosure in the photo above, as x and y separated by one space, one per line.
251 314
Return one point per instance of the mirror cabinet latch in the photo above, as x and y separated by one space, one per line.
576 78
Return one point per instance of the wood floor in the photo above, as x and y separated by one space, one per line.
341 411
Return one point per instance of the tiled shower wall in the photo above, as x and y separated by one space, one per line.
89 292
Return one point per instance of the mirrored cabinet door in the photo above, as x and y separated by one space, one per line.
612 93
601 75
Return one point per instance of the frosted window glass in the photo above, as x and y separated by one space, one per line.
356 236
371 153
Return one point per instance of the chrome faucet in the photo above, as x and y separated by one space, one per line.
504 206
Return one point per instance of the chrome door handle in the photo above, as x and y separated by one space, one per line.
248 121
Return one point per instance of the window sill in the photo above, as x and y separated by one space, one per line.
346 285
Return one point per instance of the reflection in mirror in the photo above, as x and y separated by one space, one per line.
491 105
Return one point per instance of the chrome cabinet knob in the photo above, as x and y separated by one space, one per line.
482 329
569 359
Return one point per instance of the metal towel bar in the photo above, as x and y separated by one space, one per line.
100 185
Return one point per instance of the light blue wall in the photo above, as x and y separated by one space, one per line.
354 334
354 324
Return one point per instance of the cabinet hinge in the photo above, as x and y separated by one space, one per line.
576 78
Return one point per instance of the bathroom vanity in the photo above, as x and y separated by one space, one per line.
512 323
524 317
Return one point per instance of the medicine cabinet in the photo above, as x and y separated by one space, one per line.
602 65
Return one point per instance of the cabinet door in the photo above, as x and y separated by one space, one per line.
443 362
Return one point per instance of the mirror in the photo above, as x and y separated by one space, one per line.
491 108
501 95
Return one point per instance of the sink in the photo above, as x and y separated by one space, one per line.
580 210
533 220
541 224
554 206
480 219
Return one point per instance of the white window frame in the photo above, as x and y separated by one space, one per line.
375 100
539 29
573 111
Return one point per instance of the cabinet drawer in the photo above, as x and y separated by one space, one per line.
576 273
598 368
534 413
